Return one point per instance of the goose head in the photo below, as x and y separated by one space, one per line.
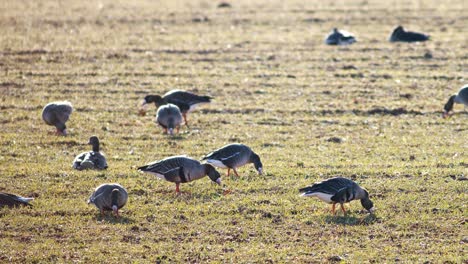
449 106
257 163
367 203
212 173
153 99
94 141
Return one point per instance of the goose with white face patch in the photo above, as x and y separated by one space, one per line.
109 197
181 169
339 190
460 98
11 200
233 156
186 101
57 114
91 159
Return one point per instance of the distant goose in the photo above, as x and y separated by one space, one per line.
186 101
233 156
339 37
91 159
57 114
339 190
169 117
181 169
460 98
109 197
400 35
11 200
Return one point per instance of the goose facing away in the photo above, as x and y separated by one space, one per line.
399 34
339 190
91 159
181 169
186 101
460 98
109 197
339 37
169 117
11 200
233 156
57 114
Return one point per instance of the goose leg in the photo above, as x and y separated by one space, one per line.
229 170
333 209
165 130
177 190
236 172
343 209
177 129
102 213
184 115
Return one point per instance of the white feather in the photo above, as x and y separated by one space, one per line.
216 163
156 174
322 196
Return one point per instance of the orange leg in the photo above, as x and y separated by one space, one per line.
102 212
165 130
177 129
229 170
177 190
343 209
184 115
333 209
236 172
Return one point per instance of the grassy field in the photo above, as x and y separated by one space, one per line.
277 88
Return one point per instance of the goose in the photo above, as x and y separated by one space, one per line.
181 169
233 156
339 37
109 196
186 101
399 34
339 190
91 159
57 114
460 98
169 117
11 200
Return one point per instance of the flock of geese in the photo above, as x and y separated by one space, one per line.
172 110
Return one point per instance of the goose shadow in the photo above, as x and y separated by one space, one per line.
108 218
351 220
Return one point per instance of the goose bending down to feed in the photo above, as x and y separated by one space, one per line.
233 156
57 114
11 200
339 190
181 169
460 98
339 37
186 101
109 197
399 34
169 117
91 159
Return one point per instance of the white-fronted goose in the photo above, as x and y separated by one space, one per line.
399 34
181 169
186 101
339 37
11 200
109 197
91 159
339 190
233 156
460 98
57 114
169 117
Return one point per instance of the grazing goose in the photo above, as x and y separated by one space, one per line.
339 37
181 169
339 190
233 156
109 196
186 101
91 159
11 200
57 114
169 117
400 35
460 98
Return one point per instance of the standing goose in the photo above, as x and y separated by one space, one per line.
91 159
109 196
57 114
400 35
339 190
11 200
233 156
169 117
339 37
181 169
186 101
460 98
